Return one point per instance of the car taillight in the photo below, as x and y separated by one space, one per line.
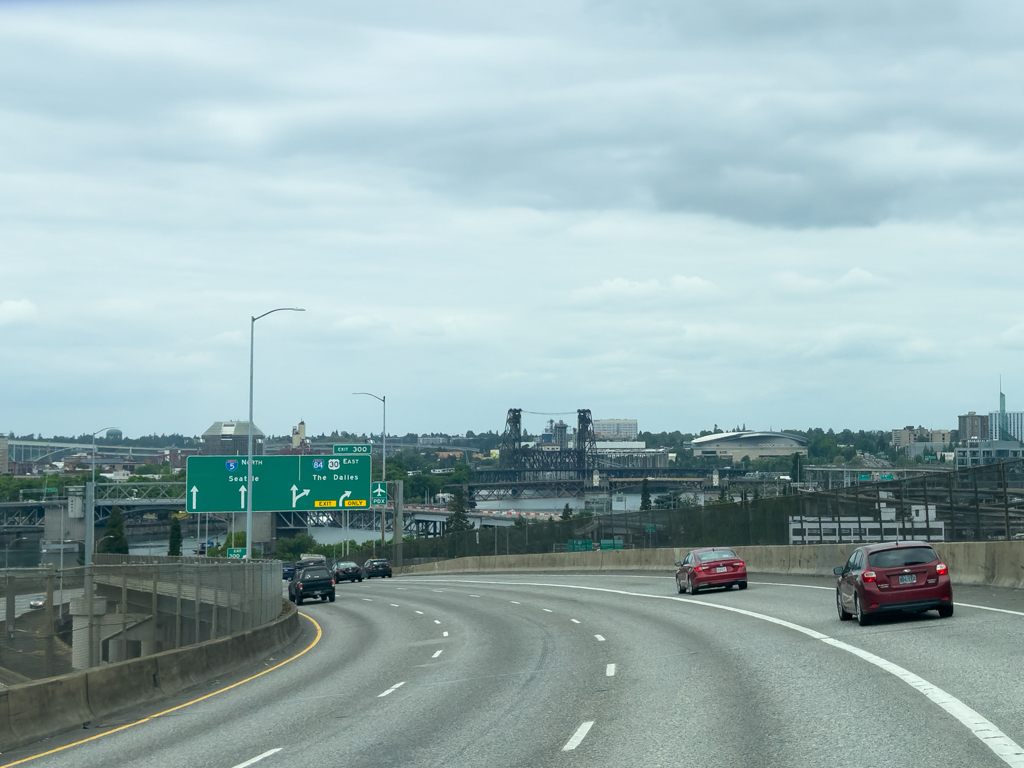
300 585
868 576
740 564
332 582
701 568
942 569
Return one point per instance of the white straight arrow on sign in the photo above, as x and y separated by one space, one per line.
241 492
195 492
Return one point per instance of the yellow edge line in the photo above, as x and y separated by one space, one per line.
319 634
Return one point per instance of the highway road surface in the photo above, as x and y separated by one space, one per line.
593 670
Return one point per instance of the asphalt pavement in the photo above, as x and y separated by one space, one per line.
562 669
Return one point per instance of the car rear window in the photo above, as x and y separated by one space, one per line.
347 565
378 562
897 558
315 573
718 554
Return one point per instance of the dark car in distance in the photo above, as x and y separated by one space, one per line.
377 567
710 567
287 570
347 571
890 577
314 581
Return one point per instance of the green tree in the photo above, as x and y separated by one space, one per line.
645 496
457 520
566 512
174 544
295 547
114 540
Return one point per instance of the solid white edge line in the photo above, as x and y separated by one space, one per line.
577 738
256 759
609 671
599 638
993 738
832 589
986 608
1001 745
437 653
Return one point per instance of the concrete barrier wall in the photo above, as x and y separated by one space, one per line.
997 563
36 710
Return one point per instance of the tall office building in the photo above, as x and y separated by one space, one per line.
615 429
972 426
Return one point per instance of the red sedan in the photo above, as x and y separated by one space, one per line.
892 576
710 567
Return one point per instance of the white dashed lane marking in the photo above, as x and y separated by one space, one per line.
392 689
609 671
436 654
577 738
256 759
599 638
575 621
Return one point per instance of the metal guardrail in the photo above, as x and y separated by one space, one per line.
125 607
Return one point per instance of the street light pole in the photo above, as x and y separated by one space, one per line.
248 474
7 549
383 455
90 511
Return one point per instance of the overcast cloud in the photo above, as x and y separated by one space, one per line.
783 215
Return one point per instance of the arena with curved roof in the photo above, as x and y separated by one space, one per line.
733 446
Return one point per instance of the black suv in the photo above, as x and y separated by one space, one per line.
377 567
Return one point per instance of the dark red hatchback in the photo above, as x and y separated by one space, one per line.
710 567
892 576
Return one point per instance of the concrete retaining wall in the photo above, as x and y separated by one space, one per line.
36 710
997 563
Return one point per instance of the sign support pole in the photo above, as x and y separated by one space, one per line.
399 524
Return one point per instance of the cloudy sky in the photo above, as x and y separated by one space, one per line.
773 214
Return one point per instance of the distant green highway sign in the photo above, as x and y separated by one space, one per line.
219 483
358 449
379 493
236 552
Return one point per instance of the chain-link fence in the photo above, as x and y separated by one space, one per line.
978 504
124 607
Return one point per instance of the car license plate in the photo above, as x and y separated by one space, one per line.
721 569
908 578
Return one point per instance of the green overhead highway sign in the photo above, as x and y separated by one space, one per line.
238 553
358 449
218 483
